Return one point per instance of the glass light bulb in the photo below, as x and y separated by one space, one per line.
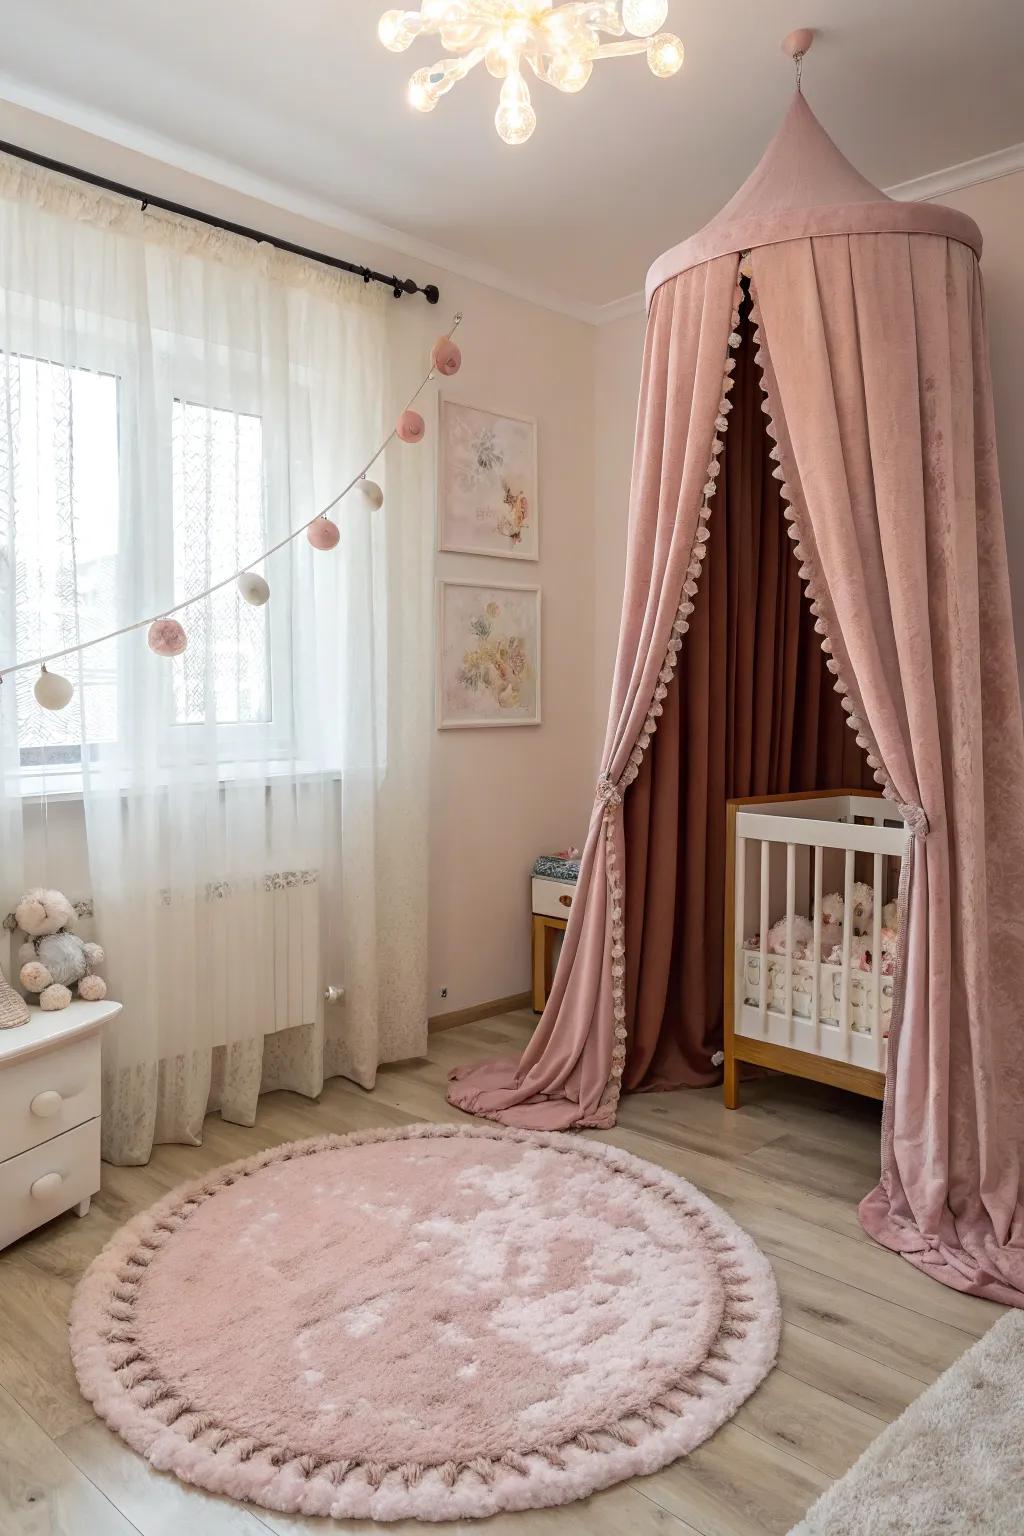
570 72
394 30
422 93
665 55
427 86
515 118
644 17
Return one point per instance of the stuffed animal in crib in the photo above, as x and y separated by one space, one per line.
862 904
803 937
860 953
53 959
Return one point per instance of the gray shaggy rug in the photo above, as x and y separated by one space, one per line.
952 1464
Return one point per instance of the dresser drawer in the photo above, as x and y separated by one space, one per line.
42 1183
552 898
44 1095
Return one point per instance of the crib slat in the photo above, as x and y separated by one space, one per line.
762 1001
790 913
876 963
844 982
739 955
816 955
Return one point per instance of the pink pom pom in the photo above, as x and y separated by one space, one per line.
166 637
411 427
446 357
323 534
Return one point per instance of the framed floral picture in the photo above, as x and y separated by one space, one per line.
487 483
488 655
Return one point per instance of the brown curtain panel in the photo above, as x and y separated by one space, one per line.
752 711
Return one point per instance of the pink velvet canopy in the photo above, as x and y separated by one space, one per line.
869 325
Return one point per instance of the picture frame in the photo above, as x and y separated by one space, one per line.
486 482
489 657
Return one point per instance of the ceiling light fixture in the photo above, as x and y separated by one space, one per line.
559 42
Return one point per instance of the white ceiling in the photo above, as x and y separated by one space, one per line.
300 93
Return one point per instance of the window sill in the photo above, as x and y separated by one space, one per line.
56 785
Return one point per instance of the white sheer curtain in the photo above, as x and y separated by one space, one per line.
247 821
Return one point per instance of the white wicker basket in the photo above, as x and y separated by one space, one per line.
13 1008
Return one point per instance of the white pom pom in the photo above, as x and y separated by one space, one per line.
371 494
53 998
253 588
52 691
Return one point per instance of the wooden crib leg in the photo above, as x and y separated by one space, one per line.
731 1080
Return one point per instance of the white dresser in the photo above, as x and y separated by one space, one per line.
50 1115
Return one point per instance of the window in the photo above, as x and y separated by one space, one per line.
60 520
59 516
217 472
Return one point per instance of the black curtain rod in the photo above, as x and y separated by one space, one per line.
398 285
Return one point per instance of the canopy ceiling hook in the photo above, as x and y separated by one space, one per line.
797 44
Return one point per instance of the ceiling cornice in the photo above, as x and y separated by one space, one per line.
1001 162
225 173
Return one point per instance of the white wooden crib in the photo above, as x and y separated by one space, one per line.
808 1016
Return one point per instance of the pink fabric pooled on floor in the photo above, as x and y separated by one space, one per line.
433 1322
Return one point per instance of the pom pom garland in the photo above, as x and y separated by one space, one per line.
323 534
253 588
166 637
371 494
411 427
52 691
446 357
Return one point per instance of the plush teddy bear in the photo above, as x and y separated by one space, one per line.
803 935
53 959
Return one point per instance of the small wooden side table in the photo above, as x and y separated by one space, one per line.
544 930
553 896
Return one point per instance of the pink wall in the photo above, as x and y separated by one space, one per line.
997 207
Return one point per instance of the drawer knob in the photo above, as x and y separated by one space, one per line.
566 901
46 1186
47 1104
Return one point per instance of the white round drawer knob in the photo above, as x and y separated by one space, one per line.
47 1104
46 1186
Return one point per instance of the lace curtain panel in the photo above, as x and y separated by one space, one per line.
243 821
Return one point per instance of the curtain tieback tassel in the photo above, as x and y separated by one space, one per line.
608 792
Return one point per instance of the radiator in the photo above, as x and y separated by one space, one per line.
242 956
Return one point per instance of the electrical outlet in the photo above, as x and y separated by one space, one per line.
444 991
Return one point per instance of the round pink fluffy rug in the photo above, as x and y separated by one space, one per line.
436 1321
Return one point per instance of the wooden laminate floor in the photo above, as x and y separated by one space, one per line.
864 1332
